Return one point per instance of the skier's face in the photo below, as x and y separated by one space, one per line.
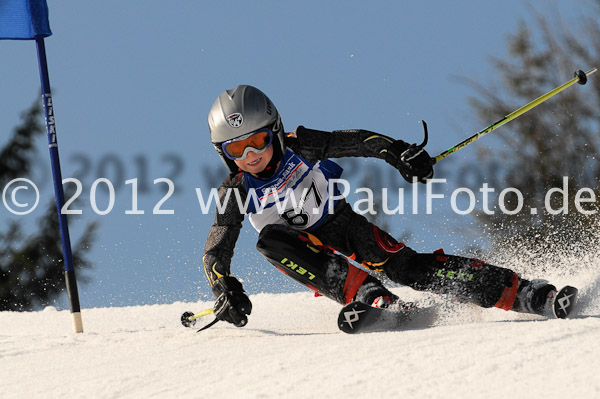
255 163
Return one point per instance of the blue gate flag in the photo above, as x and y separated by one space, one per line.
24 19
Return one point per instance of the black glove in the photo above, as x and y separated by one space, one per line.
411 160
232 305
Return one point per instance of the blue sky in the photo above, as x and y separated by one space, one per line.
133 82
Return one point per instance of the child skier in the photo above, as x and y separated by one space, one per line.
247 133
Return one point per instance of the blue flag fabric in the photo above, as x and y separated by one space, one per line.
24 19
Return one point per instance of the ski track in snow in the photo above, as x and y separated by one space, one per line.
292 348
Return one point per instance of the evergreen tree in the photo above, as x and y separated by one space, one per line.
559 138
31 268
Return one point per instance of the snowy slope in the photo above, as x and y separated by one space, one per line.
292 349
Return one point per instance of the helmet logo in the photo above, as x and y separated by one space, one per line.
235 120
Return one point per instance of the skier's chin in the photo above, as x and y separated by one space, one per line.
256 166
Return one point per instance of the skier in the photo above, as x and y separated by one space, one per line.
306 243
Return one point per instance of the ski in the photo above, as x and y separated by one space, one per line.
358 317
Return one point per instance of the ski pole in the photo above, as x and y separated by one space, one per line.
188 319
580 77
201 314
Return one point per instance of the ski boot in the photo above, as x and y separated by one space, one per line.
542 298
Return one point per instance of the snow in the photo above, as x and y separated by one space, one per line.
292 348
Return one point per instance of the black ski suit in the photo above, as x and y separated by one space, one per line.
310 259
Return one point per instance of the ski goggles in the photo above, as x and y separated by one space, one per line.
257 142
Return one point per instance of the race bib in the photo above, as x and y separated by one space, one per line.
297 195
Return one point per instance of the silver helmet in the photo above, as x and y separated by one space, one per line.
240 111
